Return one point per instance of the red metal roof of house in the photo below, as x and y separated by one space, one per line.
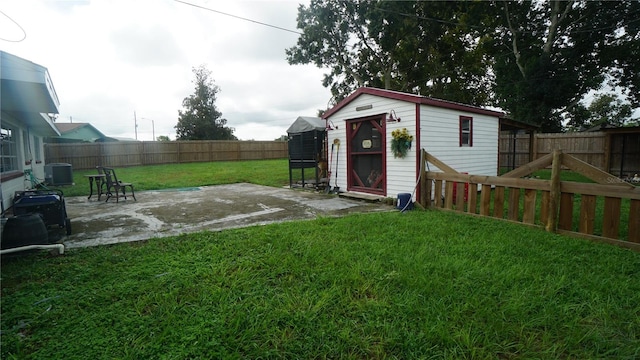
417 99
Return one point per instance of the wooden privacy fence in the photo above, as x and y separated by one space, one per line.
587 146
616 151
593 211
135 153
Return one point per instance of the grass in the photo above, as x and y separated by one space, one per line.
386 285
154 177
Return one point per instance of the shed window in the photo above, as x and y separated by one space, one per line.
466 131
9 151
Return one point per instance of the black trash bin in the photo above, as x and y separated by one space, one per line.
22 230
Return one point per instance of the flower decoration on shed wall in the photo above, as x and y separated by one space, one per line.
400 142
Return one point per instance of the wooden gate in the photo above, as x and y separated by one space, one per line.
607 210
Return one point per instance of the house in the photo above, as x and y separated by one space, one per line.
78 132
27 108
361 129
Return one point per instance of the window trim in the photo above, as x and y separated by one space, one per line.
12 153
461 132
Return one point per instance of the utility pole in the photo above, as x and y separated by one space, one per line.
153 128
135 123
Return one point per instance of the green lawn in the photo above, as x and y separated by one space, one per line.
412 285
154 177
420 284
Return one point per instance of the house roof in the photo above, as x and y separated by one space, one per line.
306 123
417 99
73 130
28 94
612 128
69 127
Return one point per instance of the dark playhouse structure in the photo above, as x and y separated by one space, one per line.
622 151
306 148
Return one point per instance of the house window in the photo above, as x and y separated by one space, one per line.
466 131
9 160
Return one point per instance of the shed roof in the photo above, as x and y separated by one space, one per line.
305 124
417 99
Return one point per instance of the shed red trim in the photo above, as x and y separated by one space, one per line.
417 99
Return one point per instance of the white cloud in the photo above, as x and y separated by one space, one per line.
111 58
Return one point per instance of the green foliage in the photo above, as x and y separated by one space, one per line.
536 60
605 110
163 138
608 109
400 142
550 54
385 285
389 44
201 119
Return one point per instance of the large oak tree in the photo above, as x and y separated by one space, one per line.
536 60
391 45
548 55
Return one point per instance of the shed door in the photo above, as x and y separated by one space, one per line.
365 153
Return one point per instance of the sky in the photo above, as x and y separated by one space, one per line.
115 63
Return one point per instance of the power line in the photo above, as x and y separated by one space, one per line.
24 33
238 17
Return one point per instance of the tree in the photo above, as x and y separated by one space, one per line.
163 138
548 55
604 110
535 59
201 119
391 45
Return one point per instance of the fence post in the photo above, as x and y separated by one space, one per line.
425 189
554 198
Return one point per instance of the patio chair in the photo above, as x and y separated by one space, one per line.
115 186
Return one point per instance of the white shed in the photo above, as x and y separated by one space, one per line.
462 136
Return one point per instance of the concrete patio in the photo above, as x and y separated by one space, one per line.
177 211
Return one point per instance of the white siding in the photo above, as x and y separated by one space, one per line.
401 173
26 140
439 131
440 137
9 189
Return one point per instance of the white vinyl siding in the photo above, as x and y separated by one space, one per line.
439 135
400 173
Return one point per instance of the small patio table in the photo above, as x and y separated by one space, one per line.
99 179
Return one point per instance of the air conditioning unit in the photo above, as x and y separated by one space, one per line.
58 174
